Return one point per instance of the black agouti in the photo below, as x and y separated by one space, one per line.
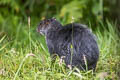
74 41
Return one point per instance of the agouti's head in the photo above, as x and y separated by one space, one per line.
48 24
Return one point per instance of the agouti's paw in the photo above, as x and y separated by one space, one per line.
69 66
61 60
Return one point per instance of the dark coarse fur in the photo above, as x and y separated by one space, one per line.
84 50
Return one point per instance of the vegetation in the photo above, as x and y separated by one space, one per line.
24 54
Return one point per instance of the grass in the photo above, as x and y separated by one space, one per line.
24 55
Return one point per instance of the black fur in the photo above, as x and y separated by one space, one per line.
74 40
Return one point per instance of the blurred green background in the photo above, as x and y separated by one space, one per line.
84 11
18 38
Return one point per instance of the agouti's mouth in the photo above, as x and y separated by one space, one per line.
41 34
39 31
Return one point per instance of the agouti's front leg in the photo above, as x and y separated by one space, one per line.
53 55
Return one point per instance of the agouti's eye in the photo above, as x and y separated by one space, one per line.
48 20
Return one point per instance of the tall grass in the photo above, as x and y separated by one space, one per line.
19 61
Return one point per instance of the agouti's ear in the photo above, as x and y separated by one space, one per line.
43 18
54 18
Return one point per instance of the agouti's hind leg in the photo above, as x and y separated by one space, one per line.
92 67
